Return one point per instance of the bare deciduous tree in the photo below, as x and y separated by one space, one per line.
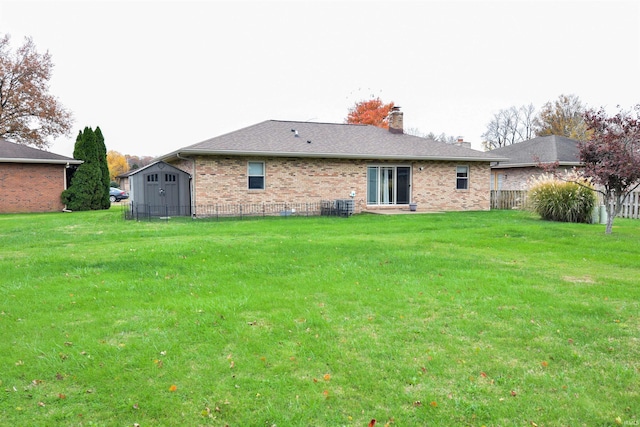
509 126
29 114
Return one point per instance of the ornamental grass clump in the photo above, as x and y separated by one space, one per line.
558 200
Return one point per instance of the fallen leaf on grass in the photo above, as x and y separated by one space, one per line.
327 377
173 387
434 404
544 364
62 396
372 423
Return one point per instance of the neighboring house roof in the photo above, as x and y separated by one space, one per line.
10 152
543 149
329 140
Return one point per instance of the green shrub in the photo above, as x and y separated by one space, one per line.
565 201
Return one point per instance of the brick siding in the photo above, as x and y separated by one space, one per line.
519 178
31 187
223 180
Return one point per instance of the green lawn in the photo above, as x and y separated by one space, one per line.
458 319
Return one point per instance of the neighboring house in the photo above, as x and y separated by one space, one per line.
31 180
303 162
524 158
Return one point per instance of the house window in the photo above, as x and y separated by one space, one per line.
388 185
256 175
152 177
462 177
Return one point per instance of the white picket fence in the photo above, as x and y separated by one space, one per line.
631 206
516 199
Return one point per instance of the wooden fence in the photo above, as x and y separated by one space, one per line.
508 199
517 199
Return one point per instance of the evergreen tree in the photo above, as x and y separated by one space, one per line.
88 189
104 202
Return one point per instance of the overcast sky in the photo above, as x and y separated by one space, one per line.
157 76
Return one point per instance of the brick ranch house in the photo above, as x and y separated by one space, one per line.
300 162
523 158
31 180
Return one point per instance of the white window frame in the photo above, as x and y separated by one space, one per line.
465 179
395 180
250 175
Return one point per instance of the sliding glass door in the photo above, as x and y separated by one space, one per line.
388 185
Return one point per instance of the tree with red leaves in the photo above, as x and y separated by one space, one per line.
370 112
611 157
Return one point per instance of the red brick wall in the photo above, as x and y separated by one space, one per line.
291 180
31 187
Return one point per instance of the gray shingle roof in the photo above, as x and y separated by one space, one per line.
11 152
543 149
328 140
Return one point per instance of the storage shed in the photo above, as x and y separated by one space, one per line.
160 189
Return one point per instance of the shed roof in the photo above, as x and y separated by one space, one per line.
10 152
543 149
156 164
328 140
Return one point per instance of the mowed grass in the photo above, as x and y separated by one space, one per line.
458 319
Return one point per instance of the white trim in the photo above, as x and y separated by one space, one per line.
468 178
354 156
264 175
40 161
395 177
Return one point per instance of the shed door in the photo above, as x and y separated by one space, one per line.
161 193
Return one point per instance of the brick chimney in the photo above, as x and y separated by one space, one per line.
395 120
462 143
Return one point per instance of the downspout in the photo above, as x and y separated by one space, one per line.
64 180
192 188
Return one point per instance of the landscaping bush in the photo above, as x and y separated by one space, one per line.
565 201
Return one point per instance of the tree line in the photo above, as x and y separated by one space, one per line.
564 117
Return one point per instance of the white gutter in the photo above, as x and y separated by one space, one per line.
331 156
40 161
525 165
